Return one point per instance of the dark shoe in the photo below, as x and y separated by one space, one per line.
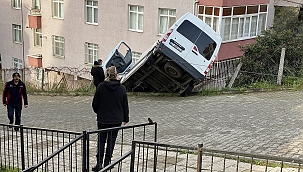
16 129
10 125
106 161
98 167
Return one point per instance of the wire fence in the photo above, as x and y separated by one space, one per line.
53 78
79 79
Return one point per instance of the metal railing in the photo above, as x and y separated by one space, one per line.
66 158
152 156
144 132
28 146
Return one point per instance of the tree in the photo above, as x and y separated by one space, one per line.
261 59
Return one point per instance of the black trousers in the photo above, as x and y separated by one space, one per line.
10 113
109 137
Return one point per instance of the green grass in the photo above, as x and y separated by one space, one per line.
288 83
9 169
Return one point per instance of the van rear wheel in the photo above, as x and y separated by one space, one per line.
173 69
186 91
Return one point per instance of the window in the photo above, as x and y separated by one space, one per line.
189 30
58 7
91 52
167 18
17 63
37 37
91 11
16 4
136 56
206 45
36 4
210 15
135 18
17 33
58 46
239 22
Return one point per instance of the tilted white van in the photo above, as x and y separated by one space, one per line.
175 63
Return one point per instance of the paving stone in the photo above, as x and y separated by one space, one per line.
266 123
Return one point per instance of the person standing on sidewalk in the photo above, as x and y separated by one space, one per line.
13 93
111 105
97 73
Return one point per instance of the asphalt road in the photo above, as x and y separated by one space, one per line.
264 123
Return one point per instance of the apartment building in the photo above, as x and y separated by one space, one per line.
72 34
75 33
238 22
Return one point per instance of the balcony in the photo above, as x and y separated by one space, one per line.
34 19
35 60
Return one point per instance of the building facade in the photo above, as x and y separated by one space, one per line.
72 34
75 33
238 22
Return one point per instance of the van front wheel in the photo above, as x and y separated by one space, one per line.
173 69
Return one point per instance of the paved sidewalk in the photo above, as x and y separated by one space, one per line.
265 123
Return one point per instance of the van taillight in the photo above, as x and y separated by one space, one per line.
167 35
208 68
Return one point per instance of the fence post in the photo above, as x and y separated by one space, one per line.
22 147
42 83
132 161
84 169
280 72
199 160
231 82
3 76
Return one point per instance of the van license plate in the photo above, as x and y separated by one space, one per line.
176 45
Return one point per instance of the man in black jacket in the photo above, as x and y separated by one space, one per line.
97 73
12 95
111 105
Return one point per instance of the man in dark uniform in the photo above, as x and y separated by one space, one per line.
13 93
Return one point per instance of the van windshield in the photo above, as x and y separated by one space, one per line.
205 44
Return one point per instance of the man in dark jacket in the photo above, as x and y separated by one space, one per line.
111 105
12 98
97 73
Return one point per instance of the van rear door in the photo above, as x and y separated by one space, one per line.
181 40
203 50
120 57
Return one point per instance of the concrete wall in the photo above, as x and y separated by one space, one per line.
292 3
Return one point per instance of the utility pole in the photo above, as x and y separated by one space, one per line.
22 37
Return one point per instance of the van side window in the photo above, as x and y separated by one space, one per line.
206 45
189 30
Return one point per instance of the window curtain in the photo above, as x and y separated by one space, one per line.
247 24
253 30
61 8
132 20
226 26
261 23
241 28
215 24
95 15
140 21
89 14
163 24
234 28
